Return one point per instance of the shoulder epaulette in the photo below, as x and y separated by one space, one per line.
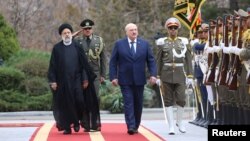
160 41
184 40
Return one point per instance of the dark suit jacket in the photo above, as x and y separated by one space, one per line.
131 69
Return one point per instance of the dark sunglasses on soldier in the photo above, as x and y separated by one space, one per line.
88 28
173 27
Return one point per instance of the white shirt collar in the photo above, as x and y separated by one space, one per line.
129 41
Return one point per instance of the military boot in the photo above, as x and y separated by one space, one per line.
179 123
198 115
170 118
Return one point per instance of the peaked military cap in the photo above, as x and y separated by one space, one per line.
87 23
212 23
173 22
204 26
198 29
243 13
248 10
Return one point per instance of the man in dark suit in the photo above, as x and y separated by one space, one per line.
127 68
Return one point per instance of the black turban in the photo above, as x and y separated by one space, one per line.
63 26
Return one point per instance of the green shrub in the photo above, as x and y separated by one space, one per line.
40 103
34 67
10 78
15 101
8 40
12 101
149 97
32 63
117 104
35 86
108 95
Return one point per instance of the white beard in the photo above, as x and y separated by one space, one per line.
67 40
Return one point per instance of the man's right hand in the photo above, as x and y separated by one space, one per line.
115 82
85 84
53 86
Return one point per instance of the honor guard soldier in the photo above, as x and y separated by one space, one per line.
93 46
199 71
244 56
174 56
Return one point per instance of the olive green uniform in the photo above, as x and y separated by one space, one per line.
173 70
96 56
244 87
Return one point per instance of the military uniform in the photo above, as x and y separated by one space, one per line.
200 69
94 48
245 57
95 54
243 87
174 63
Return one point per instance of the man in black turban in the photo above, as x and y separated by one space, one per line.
69 74
63 26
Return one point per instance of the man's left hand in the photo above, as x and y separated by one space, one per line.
102 79
152 80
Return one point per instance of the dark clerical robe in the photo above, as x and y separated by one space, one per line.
69 68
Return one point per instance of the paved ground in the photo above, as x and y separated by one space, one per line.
152 119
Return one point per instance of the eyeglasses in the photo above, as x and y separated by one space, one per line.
173 27
88 28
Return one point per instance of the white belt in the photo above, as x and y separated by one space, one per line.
174 64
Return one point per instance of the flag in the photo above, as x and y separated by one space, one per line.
188 12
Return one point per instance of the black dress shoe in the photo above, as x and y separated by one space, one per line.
76 128
86 130
67 131
131 131
59 128
136 131
96 129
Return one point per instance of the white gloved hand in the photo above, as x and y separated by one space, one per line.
231 49
210 50
197 58
222 45
217 49
160 42
189 81
226 50
158 82
237 51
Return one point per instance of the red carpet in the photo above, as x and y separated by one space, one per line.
110 132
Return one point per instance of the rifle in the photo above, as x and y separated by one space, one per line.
215 58
210 55
248 78
232 85
225 57
232 56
